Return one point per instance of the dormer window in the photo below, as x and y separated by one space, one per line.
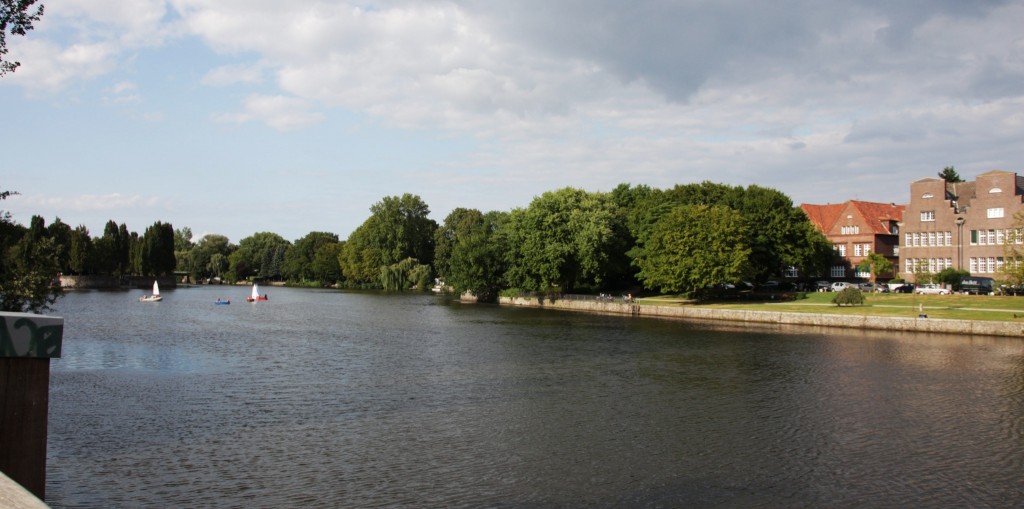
995 190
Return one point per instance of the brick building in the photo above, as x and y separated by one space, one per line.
857 229
961 225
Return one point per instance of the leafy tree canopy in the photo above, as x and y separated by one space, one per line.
949 174
694 247
562 239
16 18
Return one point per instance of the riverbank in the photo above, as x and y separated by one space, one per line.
917 323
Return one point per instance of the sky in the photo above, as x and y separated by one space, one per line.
241 116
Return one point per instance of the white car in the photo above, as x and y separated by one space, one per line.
932 289
839 286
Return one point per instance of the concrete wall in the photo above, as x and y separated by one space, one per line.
113 282
910 324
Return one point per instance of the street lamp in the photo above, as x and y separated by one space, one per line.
960 242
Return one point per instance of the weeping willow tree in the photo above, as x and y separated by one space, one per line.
405 274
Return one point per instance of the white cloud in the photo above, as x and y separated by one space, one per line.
280 112
92 202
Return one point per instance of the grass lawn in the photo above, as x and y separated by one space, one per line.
957 307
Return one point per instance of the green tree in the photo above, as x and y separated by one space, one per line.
325 267
456 225
848 296
477 261
81 259
952 277
209 257
60 232
398 228
157 250
784 236
265 252
563 239
183 246
29 267
298 261
693 248
16 18
949 174
876 264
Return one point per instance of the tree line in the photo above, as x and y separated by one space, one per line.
685 239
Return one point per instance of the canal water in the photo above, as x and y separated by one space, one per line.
334 399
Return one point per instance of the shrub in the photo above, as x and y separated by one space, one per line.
850 296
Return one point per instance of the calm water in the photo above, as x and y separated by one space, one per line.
329 399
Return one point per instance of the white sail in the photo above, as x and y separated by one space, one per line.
255 291
156 289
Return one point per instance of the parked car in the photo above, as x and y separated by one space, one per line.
839 286
822 286
872 287
904 288
933 289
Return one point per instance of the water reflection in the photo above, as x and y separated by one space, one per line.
330 399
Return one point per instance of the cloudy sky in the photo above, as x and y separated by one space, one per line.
242 116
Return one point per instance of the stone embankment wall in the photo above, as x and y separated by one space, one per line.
114 282
888 323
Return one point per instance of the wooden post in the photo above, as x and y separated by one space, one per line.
27 343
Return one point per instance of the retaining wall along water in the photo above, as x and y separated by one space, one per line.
889 323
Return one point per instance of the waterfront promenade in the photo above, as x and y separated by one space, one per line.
919 322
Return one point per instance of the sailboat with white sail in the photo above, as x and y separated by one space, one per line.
152 298
255 296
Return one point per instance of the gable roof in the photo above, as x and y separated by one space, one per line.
876 215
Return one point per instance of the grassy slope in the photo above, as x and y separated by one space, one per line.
958 307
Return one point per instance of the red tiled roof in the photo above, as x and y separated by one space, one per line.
877 215
823 216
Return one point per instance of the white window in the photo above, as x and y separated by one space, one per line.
949 238
867 249
995 212
917 239
991 237
931 238
792 272
862 274
928 215
908 241
949 263
841 248
857 250
999 237
838 271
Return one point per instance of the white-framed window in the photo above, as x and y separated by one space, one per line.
862 274
857 250
850 230
917 239
841 249
927 215
792 272
931 238
995 212
949 263
908 241
991 237
838 271
867 249
999 237
949 238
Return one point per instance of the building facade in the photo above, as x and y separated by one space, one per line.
963 225
857 229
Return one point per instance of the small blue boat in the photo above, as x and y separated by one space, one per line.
222 302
